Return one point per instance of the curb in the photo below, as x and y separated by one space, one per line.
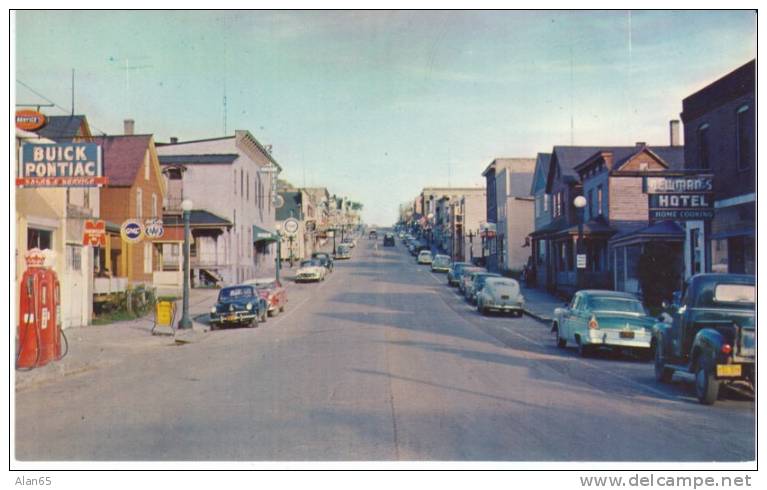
540 318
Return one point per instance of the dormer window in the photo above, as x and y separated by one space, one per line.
743 122
703 146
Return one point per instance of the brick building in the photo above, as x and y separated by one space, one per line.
720 137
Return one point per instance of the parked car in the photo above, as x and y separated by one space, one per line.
453 274
238 305
271 291
500 294
349 242
596 319
476 282
424 257
465 276
372 235
343 251
389 240
440 263
311 270
710 332
326 259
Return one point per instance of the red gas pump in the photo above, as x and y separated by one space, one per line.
39 331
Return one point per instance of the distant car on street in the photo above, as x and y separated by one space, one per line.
271 291
388 240
238 305
476 282
343 252
465 277
500 294
424 257
372 235
325 258
441 263
711 333
603 319
453 274
311 270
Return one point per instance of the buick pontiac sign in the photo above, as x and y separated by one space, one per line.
60 165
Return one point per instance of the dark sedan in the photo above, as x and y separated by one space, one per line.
238 305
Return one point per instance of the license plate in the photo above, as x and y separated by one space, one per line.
231 318
627 334
728 370
504 296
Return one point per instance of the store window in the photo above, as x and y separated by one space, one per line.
74 257
37 238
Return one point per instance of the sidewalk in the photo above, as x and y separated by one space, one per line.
539 304
98 346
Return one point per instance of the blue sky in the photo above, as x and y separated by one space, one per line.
377 105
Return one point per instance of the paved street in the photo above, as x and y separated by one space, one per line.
381 361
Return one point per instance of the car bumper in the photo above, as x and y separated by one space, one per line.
234 317
439 269
504 307
612 338
308 277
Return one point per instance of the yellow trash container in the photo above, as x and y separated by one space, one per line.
164 316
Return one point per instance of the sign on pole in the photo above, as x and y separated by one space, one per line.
153 228
580 261
94 233
290 226
132 231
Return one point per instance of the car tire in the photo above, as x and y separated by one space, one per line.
561 343
253 323
663 373
706 384
583 349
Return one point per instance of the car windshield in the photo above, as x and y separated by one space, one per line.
441 260
481 277
235 293
610 303
266 285
311 263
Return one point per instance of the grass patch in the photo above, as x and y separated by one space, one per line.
117 316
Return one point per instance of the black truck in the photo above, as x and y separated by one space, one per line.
709 331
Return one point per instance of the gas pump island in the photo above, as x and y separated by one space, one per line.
39 332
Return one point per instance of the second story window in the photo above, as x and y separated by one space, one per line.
154 205
703 146
743 123
590 204
247 187
139 203
235 182
242 184
546 198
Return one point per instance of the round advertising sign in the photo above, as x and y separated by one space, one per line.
132 231
154 228
290 226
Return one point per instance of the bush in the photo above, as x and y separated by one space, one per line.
660 272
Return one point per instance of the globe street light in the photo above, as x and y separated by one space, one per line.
186 322
580 203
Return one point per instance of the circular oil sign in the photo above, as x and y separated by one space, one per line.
29 120
132 231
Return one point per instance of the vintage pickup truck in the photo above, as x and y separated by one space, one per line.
709 331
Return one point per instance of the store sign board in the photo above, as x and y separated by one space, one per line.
680 198
94 233
29 120
60 165
580 261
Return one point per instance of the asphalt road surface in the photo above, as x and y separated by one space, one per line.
382 361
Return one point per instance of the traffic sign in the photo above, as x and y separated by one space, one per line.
290 226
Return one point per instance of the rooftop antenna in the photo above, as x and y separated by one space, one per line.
225 133
128 67
572 121
73 91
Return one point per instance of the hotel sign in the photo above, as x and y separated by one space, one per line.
60 165
680 198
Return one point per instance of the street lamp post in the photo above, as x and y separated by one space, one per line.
580 203
185 321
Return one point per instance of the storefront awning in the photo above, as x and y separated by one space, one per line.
262 235
748 231
667 231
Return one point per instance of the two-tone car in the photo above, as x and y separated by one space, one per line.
440 263
343 252
325 259
238 305
454 273
424 257
311 270
272 291
465 277
475 283
500 294
597 319
710 331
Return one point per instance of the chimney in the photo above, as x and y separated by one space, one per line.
128 127
673 129
173 140
640 145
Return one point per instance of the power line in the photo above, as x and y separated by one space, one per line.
93 126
